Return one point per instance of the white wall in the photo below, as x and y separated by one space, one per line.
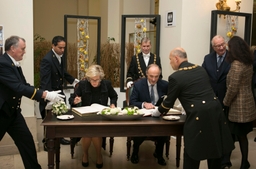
17 19
192 30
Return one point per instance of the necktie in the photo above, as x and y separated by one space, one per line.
152 95
20 71
219 61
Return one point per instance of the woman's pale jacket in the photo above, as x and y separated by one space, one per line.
239 95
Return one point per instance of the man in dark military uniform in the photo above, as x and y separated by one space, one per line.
13 86
139 63
206 133
52 73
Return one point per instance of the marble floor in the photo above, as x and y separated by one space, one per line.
118 159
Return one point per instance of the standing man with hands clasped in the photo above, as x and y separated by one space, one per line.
13 86
206 132
52 73
139 63
217 69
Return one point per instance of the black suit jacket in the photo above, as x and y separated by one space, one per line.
52 75
140 92
84 90
13 86
137 68
217 76
206 133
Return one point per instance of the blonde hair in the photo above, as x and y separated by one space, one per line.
95 70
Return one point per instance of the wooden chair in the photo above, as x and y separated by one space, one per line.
129 139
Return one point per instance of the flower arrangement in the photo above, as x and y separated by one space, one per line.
111 111
232 23
82 45
59 108
139 33
132 111
117 111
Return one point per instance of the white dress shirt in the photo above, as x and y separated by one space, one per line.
146 58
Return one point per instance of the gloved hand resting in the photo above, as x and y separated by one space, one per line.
54 96
156 113
129 84
75 82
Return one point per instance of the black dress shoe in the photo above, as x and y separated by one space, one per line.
99 165
85 164
135 158
246 165
64 141
160 159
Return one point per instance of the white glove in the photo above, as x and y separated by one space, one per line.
129 84
54 96
75 82
49 106
156 113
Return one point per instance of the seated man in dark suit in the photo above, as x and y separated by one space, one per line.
146 92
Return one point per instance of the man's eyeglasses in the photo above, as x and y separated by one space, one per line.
220 45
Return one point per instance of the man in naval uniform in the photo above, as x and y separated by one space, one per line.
206 132
13 86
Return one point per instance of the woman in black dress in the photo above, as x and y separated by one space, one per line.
94 89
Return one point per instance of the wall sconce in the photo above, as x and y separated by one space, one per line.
237 5
223 6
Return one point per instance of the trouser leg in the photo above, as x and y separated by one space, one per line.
23 139
214 163
136 144
190 163
160 141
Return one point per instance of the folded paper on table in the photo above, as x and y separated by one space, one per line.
173 111
88 110
147 112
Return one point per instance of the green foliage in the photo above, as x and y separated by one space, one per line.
41 47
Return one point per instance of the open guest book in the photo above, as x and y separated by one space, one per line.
87 110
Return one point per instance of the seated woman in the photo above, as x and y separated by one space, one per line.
94 89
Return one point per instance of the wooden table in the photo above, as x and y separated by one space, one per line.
96 125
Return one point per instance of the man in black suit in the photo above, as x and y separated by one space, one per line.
206 133
146 92
13 86
217 74
52 73
139 63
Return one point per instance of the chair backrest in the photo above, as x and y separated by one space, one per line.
128 94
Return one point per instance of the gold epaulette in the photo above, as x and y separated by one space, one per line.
188 68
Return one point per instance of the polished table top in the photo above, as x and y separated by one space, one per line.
105 127
97 125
